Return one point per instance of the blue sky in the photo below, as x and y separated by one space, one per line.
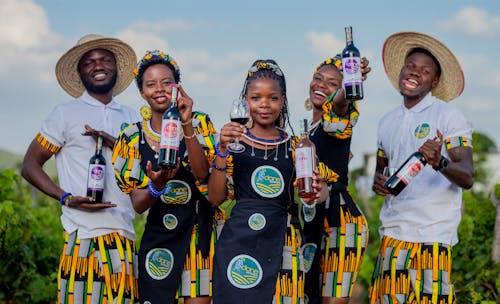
215 42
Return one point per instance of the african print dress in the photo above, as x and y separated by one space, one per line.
337 228
174 254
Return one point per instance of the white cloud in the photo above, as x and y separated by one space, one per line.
480 71
474 22
325 44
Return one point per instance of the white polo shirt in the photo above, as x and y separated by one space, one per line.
429 208
63 128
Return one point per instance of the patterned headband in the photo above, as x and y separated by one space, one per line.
156 53
335 61
262 65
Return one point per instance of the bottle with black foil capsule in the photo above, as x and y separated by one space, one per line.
170 133
305 162
96 174
408 170
351 66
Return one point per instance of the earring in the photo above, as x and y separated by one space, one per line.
308 104
145 112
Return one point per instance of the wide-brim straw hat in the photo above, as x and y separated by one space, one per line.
396 49
67 66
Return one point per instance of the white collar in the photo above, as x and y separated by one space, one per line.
88 99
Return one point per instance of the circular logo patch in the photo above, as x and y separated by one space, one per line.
170 221
159 263
267 181
179 193
422 130
308 251
309 213
244 272
257 221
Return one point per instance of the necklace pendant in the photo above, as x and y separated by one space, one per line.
156 156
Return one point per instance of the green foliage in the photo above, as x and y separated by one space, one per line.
482 143
30 244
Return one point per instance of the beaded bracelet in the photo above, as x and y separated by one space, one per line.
186 123
217 151
222 169
155 193
65 198
190 136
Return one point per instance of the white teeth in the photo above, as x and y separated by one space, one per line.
320 93
99 76
413 80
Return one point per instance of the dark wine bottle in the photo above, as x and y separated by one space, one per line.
96 174
170 133
351 64
305 162
408 170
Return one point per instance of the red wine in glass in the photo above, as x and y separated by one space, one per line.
240 120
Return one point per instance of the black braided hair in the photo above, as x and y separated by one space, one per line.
155 59
268 68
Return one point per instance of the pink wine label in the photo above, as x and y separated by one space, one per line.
304 162
410 170
170 138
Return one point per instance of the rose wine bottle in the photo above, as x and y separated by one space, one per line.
408 170
305 162
351 64
96 174
170 133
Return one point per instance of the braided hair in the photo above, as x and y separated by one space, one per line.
153 58
268 68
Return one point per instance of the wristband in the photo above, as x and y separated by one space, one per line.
65 198
154 192
190 136
186 123
222 169
217 151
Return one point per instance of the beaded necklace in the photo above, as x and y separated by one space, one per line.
147 131
282 138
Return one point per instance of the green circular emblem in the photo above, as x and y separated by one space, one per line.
309 213
244 272
422 130
179 193
257 221
170 221
267 181
159 263
308 251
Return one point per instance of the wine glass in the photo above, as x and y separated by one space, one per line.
240 114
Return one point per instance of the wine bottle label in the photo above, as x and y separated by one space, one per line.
96 177
170 138
410 170
304 162
352 71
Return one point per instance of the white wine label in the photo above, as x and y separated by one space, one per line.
352 71
304 162
96 177
170 137
410 170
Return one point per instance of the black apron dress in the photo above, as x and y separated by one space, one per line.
248 253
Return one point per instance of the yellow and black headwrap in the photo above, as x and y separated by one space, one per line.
335 61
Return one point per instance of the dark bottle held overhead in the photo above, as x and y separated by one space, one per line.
170 133
96 174
351 65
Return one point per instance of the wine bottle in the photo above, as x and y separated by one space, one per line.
96 174
305 162
170 133
351 64
408 170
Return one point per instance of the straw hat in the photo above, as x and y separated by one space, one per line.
396 49
67 67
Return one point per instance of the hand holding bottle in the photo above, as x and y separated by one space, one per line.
431 149
320 189
184 104
86 203
163 175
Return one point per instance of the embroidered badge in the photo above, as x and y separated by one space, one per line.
257 221
422 130
308 251
244 272
309 213
267 181
159 263
170 221
179 194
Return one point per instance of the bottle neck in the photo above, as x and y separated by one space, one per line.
99 146
348 35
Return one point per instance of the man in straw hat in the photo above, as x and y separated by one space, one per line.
419 225
98 259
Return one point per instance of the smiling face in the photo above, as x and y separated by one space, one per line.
325 81
98 71
265 100
419 75
156 88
